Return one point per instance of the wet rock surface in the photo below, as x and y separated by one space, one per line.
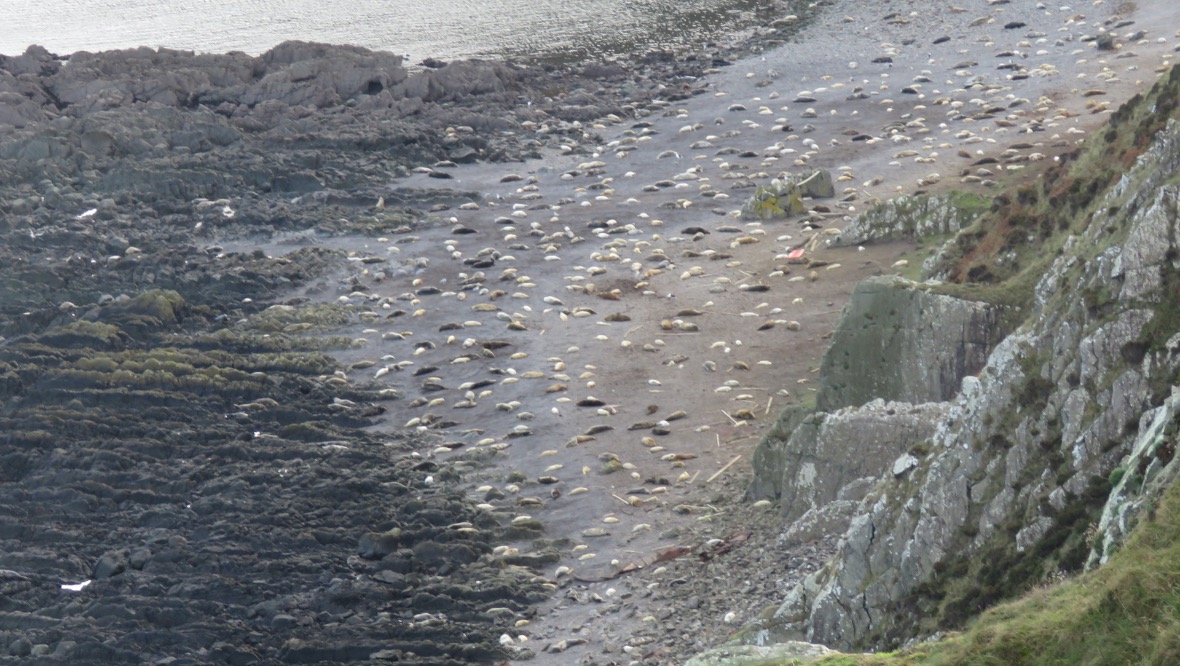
186 473
217 493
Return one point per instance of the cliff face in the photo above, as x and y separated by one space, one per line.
898 342
996 485
1141 480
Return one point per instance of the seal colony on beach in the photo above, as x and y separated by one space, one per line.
606 327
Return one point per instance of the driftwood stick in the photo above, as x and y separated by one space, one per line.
727 466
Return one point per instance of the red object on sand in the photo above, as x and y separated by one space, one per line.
795 255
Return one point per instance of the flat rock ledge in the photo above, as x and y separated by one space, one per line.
750 655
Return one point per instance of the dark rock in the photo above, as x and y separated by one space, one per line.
375 546
13 583
457 79
112 563
390 577
21 647
139 557
463 155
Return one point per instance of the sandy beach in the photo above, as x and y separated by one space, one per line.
577 353
651 335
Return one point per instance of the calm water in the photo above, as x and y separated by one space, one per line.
437 28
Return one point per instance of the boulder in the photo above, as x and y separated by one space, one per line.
112 563
19 111
783 198
323 75
896 340
816 185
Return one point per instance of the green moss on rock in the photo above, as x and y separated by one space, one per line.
86 334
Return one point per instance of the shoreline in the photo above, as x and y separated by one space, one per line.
567 209
680 31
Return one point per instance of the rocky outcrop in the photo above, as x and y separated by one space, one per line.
897 340
1140 480
174 125
1025 453
914 217
832 460
784 197
293 73
303 117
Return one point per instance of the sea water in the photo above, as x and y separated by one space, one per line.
441 29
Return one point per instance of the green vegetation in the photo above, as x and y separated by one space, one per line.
965 585
971 203
1000 257
1116 475
316 317
1127 612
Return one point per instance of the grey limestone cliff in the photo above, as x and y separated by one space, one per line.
832 460
1028 444
897 341
990 471
914 217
